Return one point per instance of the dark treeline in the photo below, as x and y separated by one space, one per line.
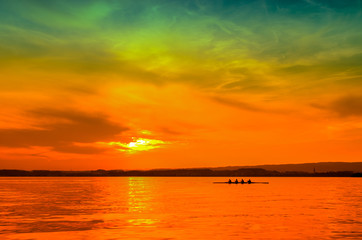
201 172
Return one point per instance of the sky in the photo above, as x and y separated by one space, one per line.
178 84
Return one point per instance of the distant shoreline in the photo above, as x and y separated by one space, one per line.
204 172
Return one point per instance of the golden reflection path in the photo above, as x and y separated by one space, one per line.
140 200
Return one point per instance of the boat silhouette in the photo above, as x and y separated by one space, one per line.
242 182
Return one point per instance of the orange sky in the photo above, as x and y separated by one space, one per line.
165 84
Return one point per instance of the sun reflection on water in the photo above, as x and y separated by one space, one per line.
140 198
143 221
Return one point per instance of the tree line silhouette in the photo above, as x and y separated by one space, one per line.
200 172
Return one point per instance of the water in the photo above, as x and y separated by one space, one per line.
179 208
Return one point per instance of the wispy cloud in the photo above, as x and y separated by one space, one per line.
238 104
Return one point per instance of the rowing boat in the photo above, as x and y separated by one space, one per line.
243 183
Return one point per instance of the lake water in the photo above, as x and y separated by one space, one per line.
179 208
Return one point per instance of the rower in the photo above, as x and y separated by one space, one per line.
229 181
249 181
236 181
242 181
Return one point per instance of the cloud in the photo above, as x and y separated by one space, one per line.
251 83
249 106
237 104
153 41
338 64
347 106
170 131
62 130
78 149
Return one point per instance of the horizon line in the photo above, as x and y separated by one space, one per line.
153 169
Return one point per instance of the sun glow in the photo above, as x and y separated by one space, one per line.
138 144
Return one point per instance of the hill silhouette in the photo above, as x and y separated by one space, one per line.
305 167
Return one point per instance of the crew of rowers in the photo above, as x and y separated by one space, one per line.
242 181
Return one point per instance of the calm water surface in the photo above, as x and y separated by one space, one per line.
179 208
